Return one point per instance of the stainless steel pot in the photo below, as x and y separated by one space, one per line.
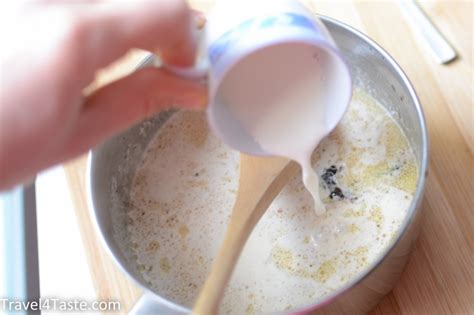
111 167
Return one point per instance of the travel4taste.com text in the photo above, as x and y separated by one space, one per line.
56 304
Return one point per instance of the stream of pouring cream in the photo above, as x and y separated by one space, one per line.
282 105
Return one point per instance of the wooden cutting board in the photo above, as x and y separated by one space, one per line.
439 278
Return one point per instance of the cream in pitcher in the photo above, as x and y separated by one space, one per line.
277 84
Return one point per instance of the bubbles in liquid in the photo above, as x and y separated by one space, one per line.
324 234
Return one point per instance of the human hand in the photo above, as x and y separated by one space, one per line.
50 53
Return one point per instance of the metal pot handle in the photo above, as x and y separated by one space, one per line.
149 304
19 245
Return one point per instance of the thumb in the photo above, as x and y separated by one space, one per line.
129 100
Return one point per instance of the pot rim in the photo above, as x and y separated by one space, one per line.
412 210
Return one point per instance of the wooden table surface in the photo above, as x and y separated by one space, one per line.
439 278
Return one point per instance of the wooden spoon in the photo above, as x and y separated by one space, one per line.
261 179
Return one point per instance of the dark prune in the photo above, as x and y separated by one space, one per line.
337 192
329 178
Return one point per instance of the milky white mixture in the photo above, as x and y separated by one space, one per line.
183 193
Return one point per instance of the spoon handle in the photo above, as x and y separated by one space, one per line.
441 49
261 179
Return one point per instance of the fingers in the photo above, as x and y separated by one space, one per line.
129 100
103 32
106 30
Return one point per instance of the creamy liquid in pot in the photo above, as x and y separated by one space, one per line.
185 187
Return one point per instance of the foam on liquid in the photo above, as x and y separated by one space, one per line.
282 107
184 190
